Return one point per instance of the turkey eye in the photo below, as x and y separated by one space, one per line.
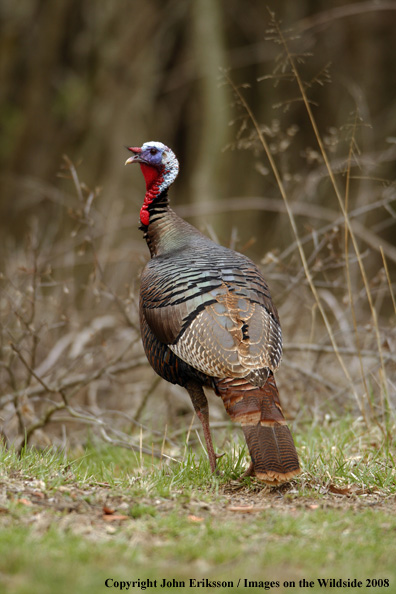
153 151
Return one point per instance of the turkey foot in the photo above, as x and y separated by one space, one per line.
248 472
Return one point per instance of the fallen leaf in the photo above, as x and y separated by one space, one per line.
246 509
195 518
39 494
24 501
340 490
115 517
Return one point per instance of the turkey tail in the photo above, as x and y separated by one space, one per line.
267 435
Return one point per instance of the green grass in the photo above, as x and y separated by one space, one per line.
67 525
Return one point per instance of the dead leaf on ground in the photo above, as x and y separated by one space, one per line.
246 509
39 494
341 490
193 518
115 517
24 501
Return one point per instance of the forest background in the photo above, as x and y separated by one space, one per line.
284 124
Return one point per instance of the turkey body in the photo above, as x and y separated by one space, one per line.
207 320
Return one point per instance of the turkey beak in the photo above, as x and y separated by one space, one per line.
136 155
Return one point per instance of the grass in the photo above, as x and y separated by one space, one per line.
69 524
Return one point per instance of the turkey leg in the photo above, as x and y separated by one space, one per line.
201 408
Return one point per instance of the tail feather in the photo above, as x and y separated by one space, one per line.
267 435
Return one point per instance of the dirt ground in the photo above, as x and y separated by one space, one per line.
97 509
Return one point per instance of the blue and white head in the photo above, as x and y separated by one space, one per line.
158 163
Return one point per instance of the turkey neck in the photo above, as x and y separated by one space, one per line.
166 232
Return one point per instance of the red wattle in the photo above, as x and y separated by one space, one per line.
150 174
144 215
154 179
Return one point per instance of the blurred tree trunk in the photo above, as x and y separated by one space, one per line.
214 99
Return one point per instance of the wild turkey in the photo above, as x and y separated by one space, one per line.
207 320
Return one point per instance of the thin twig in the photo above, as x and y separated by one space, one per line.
46 387
79 380
319 348
388 278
